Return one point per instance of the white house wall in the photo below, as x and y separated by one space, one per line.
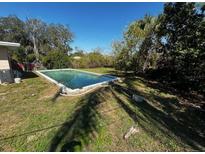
5 70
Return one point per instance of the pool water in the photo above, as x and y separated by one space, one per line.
76 79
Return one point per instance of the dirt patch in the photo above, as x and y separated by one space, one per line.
49 92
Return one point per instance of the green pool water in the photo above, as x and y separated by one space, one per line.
76 79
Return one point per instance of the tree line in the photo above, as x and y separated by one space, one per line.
170 47
36 37
47 44
92 59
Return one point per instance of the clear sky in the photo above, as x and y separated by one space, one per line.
93 24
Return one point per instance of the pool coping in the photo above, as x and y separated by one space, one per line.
77 91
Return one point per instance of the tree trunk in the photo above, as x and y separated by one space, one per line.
146 62
35 49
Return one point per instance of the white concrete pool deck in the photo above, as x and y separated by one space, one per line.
78 91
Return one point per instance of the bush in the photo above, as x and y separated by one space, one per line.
55 60
91 60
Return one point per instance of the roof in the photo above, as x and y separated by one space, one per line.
9 44
76 57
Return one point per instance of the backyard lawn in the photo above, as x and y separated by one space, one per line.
34 118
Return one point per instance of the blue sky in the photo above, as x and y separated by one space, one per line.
93 24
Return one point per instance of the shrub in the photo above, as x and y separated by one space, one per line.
55 60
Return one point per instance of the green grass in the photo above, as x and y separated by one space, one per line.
33 119
102 70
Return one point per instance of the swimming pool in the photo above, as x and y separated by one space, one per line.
76 81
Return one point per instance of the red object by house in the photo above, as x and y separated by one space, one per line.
21 66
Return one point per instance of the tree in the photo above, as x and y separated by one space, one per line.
108 60
96 59
181 39
36 32
36 37
12 29
56 59
59 37
122 57
139 39
134 52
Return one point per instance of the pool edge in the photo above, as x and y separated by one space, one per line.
77 91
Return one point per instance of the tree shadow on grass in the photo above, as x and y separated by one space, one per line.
182 125
56 95
145 122
174 124
81 126
178 90
120 73
28 75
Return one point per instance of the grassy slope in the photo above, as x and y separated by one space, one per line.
34 118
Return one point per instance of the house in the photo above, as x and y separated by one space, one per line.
77 57
6 73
